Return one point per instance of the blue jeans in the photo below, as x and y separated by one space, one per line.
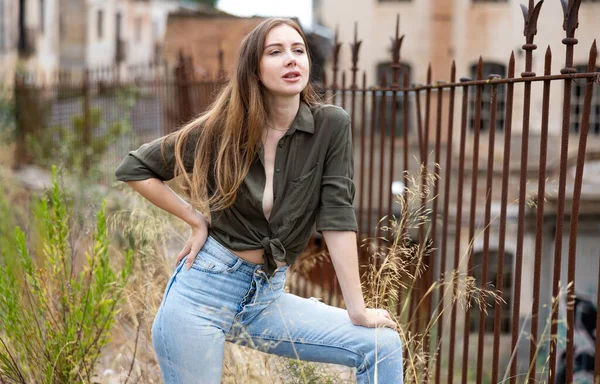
225 298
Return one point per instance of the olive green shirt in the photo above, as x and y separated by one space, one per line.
312 183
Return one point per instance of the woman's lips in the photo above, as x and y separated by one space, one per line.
291 79
292 76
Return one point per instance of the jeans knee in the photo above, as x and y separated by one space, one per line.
382 343
388 343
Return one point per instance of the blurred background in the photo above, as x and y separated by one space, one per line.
83 82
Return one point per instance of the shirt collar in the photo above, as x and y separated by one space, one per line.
304 120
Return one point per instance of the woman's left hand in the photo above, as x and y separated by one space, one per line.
373 317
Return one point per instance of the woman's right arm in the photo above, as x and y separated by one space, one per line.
145 170
161 195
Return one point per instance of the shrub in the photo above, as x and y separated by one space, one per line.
56 315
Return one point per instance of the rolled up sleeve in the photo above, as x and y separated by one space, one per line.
336 210
147 162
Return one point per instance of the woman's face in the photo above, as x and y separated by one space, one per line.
284 66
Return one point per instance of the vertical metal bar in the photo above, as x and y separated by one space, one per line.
597 354
486 224
361 210
535 307
405 123
372 159
343 95
434 215
87 129
529 47
392 139
396 44
448 175
419 124
503 206
570 24
423 282
355 51
336 56
381 152
574 221
415 289
472 211
459 197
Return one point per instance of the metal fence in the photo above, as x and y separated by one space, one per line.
504 205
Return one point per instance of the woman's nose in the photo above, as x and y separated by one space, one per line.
290 61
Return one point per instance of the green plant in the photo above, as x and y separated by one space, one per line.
56 311
7 115
303 372
67 146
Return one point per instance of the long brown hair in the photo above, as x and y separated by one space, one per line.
228 134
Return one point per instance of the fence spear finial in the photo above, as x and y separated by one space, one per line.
396 46
355 48
531 15
336 53
571 13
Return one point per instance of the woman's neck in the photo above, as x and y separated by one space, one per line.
282 112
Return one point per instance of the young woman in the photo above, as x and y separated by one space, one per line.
264 164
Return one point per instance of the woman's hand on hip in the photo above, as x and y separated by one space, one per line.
193 245
372 318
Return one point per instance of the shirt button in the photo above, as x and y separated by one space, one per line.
277 170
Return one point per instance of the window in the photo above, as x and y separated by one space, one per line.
100 24
577 96
62 28
488 69
2 27
386 68
138 29
155 30
507 286
42 16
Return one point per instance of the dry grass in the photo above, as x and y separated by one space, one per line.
157 236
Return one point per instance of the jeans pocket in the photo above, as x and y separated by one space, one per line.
206 262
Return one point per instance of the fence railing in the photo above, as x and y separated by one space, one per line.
500 185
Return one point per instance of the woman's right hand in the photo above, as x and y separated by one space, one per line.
194 244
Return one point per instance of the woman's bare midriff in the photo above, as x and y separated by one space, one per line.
255 256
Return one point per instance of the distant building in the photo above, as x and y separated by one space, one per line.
206 33
74 34
29 33
201 35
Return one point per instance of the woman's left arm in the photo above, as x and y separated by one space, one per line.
344 255
336 220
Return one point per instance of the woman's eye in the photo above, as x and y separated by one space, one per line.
300 50
273 52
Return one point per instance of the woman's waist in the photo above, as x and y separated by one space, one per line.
255 256
248 250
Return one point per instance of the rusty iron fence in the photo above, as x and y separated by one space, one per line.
500 184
